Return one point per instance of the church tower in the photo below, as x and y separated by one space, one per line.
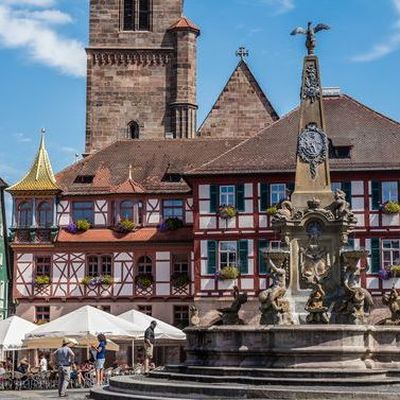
141 81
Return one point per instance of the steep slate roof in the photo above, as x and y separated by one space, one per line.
40 177
242 108
374 138
130 166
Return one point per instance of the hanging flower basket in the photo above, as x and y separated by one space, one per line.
229 273
125 226
94 282
180 280
171 224
144 281
395 271
272 211
42 280
391 208
227 212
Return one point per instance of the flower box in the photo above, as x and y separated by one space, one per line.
125 226
144 281
180 280
271 211
42 280
93 282
229 273
391 208
171 224
227 212
82 225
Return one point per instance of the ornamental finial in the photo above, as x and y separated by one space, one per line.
242 53
310 32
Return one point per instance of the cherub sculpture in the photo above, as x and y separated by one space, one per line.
316 307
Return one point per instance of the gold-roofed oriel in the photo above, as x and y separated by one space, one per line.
40 177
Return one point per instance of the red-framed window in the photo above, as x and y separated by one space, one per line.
146 309
43 265
99 265
42 314
181 316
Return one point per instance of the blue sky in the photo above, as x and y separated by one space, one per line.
42 62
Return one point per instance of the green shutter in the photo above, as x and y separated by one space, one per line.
346 187
264 194
262 265
214 198
240 198
350 243
290 188
375 256
376 195
212 257
243 246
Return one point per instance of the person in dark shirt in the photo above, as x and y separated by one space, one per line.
149 341
100 358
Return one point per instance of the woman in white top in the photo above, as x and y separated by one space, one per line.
43 364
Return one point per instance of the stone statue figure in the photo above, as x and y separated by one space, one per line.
316 305
285 212
230 315
314 262
310 32
194 316
275 308
354 304
392 300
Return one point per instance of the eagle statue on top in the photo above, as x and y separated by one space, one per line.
310 33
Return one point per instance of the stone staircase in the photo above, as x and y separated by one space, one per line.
211 383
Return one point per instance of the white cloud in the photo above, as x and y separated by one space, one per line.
21 138
282 6
390 45
33 31
36 3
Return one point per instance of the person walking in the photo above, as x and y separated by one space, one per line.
149 341
64 357
100 358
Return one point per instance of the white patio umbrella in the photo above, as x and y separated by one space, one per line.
162 331
83 325
12 333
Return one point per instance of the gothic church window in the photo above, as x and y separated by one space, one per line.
133 130
136 15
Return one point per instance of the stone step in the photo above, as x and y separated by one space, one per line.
134 388
280 373
297 380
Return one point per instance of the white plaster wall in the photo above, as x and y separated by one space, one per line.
204 191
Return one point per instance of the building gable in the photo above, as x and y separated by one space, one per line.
242 109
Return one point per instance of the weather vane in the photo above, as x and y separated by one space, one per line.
242 53
310 33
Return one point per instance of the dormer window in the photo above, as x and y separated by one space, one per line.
84 179
136 15
339 148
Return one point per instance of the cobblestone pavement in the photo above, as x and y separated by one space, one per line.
50 394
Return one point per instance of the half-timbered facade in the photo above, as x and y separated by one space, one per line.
137 222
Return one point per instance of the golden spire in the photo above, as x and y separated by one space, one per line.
40 177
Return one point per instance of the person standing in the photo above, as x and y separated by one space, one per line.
100 358
149 341
64 357
43 364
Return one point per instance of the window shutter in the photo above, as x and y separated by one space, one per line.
243 246
212 257
376 194
346 187
375 256
264 194
350 243
214 198
240 198
262 265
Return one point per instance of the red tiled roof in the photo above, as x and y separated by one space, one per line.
145 162
184 23
374 139
142 235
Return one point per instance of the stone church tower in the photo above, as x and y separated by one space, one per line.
141 81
